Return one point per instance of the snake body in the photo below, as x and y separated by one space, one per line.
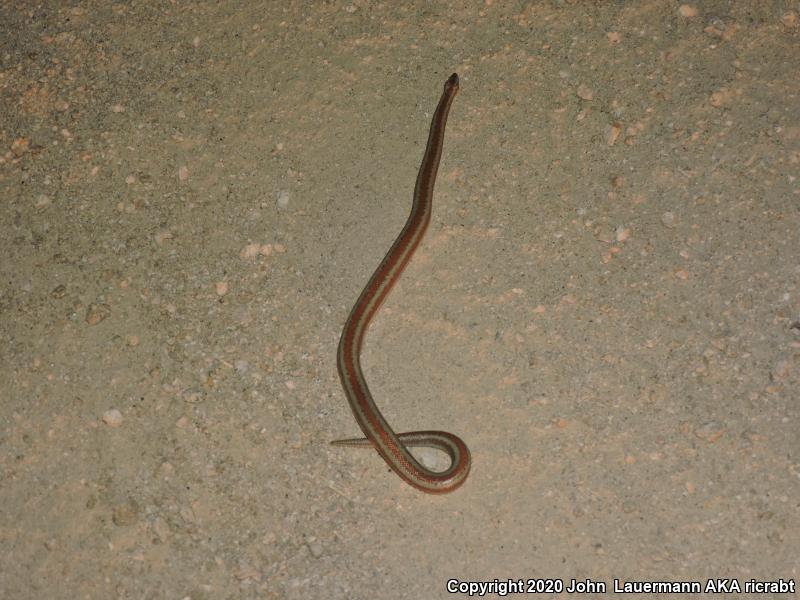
391 446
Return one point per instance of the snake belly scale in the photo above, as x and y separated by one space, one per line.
391 446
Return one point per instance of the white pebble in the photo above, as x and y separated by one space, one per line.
283 199
112 418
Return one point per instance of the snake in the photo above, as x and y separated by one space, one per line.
391 446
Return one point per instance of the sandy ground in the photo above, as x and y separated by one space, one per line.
606 306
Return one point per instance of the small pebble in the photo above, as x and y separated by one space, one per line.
603 233
668 220
20 146
161 529
613 133
716 28
614 37
687 11
112 418
125 514
192 396
283 199
314 547
747 438
721 97
97 312
247 572
221 287
622 233
782 370
681 274
789 19
250 251
183 173
431 459
162 236
584 92
187 514
710 431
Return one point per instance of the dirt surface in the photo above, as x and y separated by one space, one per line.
606 306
